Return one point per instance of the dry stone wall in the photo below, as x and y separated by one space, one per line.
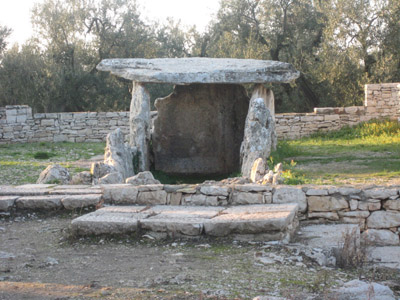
18 125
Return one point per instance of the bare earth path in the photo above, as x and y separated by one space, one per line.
38 261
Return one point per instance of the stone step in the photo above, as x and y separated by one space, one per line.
264 222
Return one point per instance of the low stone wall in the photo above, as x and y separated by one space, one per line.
18 125
375 209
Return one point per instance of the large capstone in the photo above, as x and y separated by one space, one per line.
200 70
199 129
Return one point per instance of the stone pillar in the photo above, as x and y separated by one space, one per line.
259 134
267 95
139 120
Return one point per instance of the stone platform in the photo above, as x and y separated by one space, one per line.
264 222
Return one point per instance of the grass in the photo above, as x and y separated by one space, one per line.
22 163
368 152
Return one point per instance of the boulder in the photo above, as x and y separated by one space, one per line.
54 174
84 177
142 178
258 170
199 129
200 70
111 178
381 237
359 290
118 154
392 204
259 134
100 169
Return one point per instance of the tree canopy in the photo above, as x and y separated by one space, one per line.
338 46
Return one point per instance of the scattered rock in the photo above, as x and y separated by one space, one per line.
142 178
258 170
112 178
84 177
100 169
54 174
50 261
359 290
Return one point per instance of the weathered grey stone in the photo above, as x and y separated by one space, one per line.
380 193
84 177
353 204
80 201
175 198
258 135
283 194
118 154
268 178
139 119
6 202
253 188
173 188
267 198
381 237
257 170
200 200
252 219
326 203
317 192
387 256
150 187
40 202
354 214
152 197
277 179
327 236
358 290
109 223
240 198
179 220
111 178
383 219
100 169
351 220
199 129
214 190
142 178
392 204
346 191
54 174
324 215
371 205
200 70
187 190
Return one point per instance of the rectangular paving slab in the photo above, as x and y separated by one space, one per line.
40 202
268 220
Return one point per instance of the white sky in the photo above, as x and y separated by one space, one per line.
16 14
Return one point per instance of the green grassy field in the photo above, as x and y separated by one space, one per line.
22 163
368 153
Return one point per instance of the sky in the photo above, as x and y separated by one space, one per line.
16 14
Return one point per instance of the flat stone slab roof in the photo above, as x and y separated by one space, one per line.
200 70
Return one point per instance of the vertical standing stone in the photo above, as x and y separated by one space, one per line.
140 125
258 135
268 96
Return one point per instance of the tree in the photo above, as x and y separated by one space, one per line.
4 34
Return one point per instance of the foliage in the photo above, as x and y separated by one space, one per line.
338 46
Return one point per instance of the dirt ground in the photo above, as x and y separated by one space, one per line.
40 260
